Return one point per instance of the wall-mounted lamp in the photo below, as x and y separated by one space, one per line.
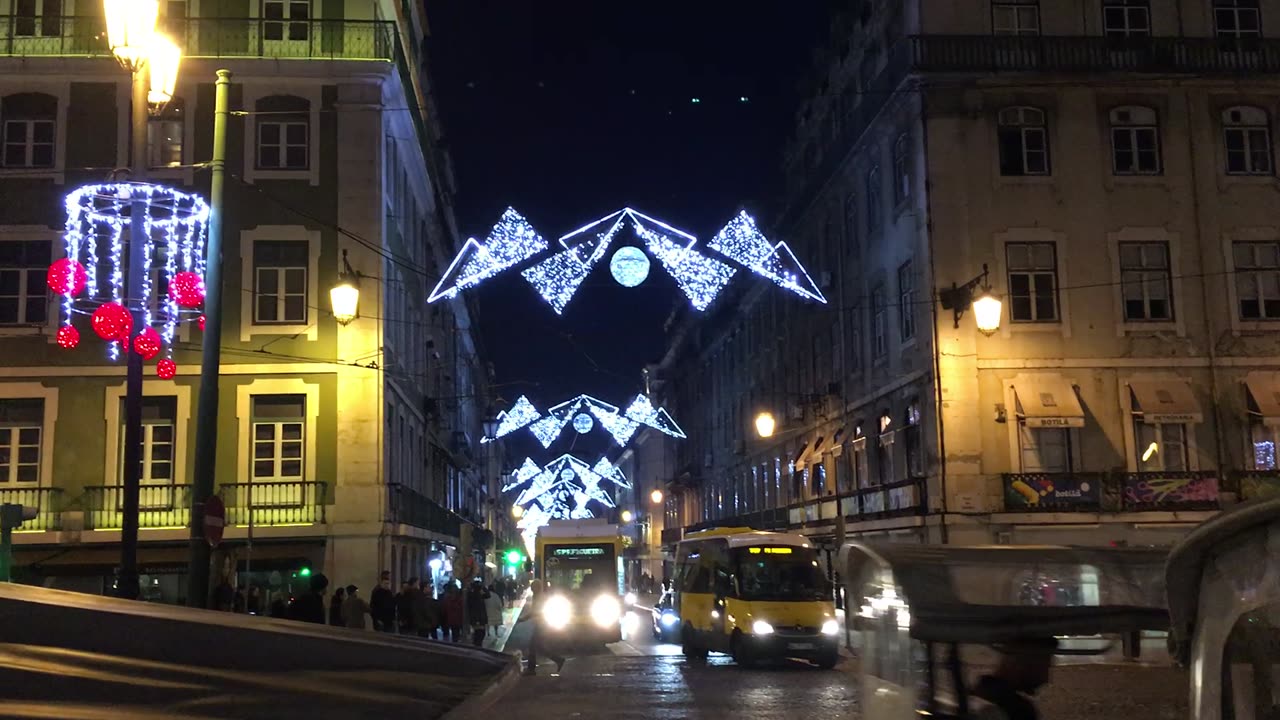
987 308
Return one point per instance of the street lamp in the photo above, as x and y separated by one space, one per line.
765 424
655 497
130 25
517 512
987 310
986 307
164 57
627 516
345 296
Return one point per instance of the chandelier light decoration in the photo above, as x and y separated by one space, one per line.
557 277
90 278
578 413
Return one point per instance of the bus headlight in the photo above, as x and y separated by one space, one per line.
669 618
761 627
630 599
557 611
831 627
606 611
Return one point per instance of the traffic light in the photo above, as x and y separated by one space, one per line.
513 557
303 572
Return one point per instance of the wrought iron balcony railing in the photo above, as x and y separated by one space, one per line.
409 507
85 36
1255 484
267 504
160 506
1111 492
47 501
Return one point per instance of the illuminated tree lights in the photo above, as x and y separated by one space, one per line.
557 277
621 425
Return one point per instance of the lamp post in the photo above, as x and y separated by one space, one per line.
153 62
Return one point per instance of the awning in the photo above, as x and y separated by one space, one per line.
1047 400
1264 390
802 458
1165 401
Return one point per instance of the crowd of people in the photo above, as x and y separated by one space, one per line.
414 610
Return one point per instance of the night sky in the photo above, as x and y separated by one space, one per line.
570 110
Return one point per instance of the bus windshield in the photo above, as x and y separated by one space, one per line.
780 573
588 568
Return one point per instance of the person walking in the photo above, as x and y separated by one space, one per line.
493 604
382 604
451 610
354 609
404 607
478 612
335 607
426 610
309 607
254 601
534 614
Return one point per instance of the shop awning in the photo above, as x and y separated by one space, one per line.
1264 390
1047 400
802 458
1165 401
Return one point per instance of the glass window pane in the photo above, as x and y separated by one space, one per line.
28 436
296 134
264 468
295 281
264 431
28 454
264 450
161 471
291 431
291 468
42 132
28 473
267 308
291 450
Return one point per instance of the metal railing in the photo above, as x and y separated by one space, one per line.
209 37
1185 490
1053 492
1255 484
896 499
409 507
267 504
1111 492
159 506
47 501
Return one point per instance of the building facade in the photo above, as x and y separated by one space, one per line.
350 449
1107 169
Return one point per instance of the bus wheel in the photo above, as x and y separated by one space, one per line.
742 655
689 646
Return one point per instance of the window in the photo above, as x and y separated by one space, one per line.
853 351
1237 19
901 170
159 422
851 224
284 133
912 441
278 425
906 302
29 135
21 425
1246 135
1145 281
281 18
873 199
24 296
1033 282
861 475
884 452
164 136
1024 142
1161 447
1126 18
173 20
1015 17
1045 449
1257 279
879 325
1135 141
37 18
280 282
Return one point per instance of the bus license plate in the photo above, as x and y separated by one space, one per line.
799 646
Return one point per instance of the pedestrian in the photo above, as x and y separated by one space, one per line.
404 607
224 596
309 607
279 608
253 603
354 610
382 605
493 605
426 610
335 607
534 614
477 612
238 602
451 610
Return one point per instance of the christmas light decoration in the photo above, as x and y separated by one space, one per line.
642 411
166 369
557 278
147 343
68 337
583 423
112 321
567 479
67 277
512 241
741 241
621 425
699 277
548 429
187 289
521 413
200 322
629 266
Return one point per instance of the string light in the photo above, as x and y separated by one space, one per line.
548 429
741 241
583 423
557 278
642 411
566 477
699 277
512 241
621 425
521 413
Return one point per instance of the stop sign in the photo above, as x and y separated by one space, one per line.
215 519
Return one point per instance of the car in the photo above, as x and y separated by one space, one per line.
666 622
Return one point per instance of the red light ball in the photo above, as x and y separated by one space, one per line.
68 337
166 369
201 321
66 277
147 343
187 289
112 321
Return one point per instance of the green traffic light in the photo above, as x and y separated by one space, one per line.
304 572
513 557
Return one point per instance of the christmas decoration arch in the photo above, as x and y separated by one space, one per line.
566 488
578 413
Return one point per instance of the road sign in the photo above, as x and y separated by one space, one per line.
215 520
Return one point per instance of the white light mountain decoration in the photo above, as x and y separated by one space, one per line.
622 425
512 241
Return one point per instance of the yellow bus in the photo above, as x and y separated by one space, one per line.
581 561
754 595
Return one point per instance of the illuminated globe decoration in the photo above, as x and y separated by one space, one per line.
68 337
96 239
581 410
166 369
629 266
583 423
556 277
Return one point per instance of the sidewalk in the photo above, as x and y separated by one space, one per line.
510 615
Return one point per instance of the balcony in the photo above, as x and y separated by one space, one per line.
273 504
1106 492
160 506
1256 484
409 507
48 502
85 36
